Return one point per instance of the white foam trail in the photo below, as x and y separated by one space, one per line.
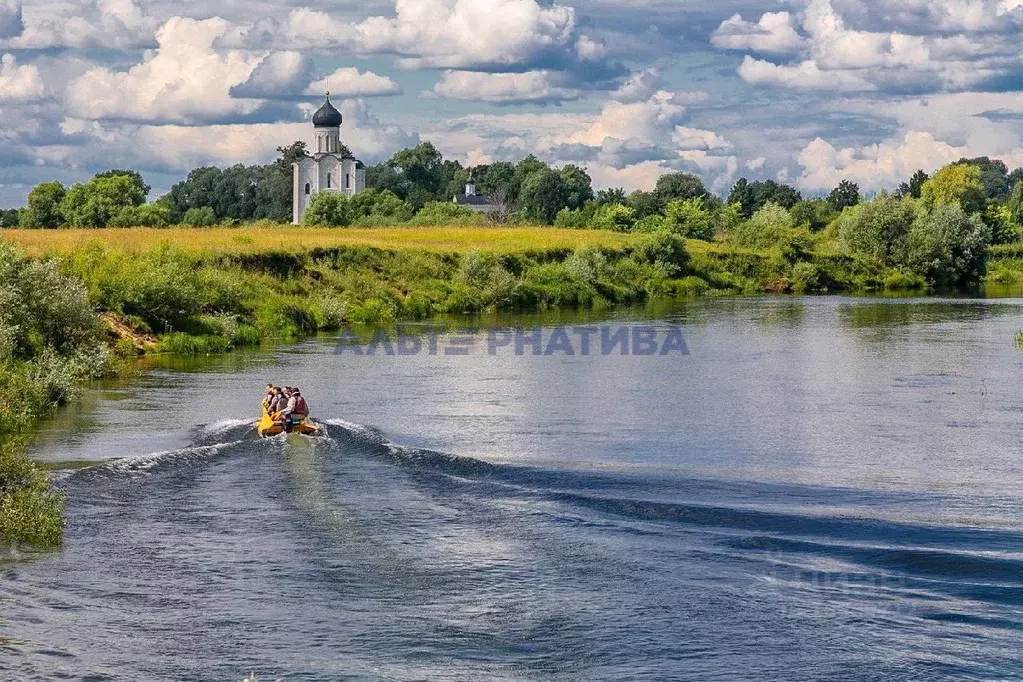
226 425
362 430
144 463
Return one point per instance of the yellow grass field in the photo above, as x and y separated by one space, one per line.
242 240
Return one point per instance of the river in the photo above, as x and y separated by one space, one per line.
821 489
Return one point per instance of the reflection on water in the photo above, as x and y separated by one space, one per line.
825 488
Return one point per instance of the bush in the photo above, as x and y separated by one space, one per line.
201 216
879 228
765 229
947 247
447 213
30 511
330 209
689 218
615 217
806 277
665 250
813 214
146 215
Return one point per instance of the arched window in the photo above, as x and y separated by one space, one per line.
307 189
328 180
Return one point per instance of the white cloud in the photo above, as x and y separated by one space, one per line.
118 24
183 81
640 86
459 34
873 166
19 83
694 139
757 163
502 88
773 33
805 75
350 82
278 74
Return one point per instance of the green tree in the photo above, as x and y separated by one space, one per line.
544 193
663 249
846 194
958 183
43 207
948 247
688 218
879 228
385 204
10 217
644 203
1004 227
994 175
768 227
914 187
200 216
814 214
135 176
94 203
579 185
614 195
289 156
752 196
330 209
679 187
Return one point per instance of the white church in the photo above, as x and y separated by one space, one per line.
327 168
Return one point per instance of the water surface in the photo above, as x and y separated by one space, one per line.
825 488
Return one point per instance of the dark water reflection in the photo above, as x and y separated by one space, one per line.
824 489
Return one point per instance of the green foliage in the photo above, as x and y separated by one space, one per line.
678 187
768 227
43 207
689 218
814 214
729 217
879 228
651 223
578 186
645 203
447 213
31 511
96 202
752 196
613 195
958 184
10 217
1004 227
330 209
806 278
146 215
200 216
486 284
948 247
182 343
543 194
616 217
846 194
379 204
994 176
665 250
913 188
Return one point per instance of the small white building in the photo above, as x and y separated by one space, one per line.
327 168
474 201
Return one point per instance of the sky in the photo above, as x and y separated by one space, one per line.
807 92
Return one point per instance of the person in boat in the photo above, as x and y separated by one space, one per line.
296 409
279 402
269 398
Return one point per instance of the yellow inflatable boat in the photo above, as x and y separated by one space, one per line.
268 427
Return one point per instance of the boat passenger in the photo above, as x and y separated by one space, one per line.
296 410
279 401
268 399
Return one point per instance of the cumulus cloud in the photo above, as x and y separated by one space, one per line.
801 76
19 83
773 33
456 34
183 81
879 165
350 82
836 57
503 88
278 74
118 24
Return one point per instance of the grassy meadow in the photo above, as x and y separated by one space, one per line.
221 241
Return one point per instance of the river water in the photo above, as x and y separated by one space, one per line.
821 489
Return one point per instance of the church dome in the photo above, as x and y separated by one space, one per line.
327 116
